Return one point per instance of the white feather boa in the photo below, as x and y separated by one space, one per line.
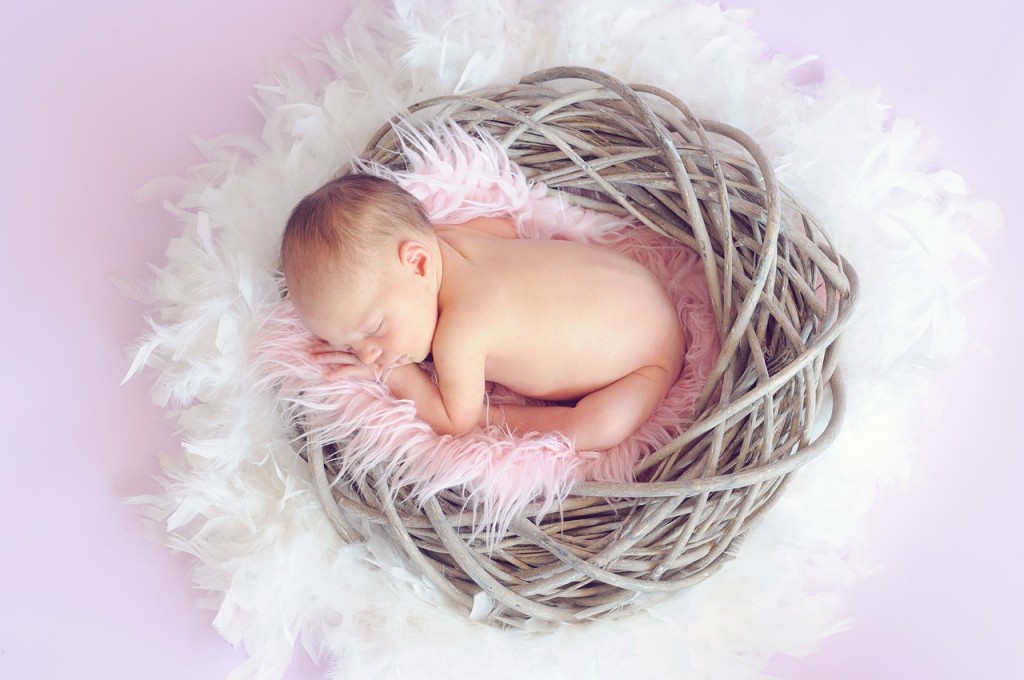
238 499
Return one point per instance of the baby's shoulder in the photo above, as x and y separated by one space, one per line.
463 327
495 227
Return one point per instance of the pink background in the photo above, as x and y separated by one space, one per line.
100 97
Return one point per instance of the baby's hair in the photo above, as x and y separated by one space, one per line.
345 221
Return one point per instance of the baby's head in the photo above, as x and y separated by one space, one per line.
362 267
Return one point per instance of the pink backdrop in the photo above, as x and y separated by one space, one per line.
102 96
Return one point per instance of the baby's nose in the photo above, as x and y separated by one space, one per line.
368 355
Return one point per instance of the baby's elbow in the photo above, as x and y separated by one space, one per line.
453 428
458 423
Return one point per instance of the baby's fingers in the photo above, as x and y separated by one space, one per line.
333 356
323 353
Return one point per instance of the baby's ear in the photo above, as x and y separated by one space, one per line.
414 254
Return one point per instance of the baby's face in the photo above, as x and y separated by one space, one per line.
387 321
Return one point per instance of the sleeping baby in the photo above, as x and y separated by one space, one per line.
583 328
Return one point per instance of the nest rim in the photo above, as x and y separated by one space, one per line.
571 584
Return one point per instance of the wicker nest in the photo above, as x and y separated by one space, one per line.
781 296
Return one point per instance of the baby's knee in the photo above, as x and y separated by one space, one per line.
604 422
613 414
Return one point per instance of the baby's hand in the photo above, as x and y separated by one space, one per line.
337 363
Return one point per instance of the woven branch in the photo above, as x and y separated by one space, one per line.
639 151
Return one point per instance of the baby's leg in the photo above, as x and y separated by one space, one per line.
599 420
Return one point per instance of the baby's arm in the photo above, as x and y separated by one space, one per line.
452 406
600 420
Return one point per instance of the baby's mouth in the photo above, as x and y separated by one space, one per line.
400 361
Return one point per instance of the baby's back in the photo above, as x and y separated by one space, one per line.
561 319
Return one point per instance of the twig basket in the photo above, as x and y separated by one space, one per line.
781 296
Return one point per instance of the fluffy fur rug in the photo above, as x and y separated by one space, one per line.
238 500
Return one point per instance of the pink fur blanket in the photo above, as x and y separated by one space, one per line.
459 177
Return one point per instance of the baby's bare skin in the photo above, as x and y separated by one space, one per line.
555 320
